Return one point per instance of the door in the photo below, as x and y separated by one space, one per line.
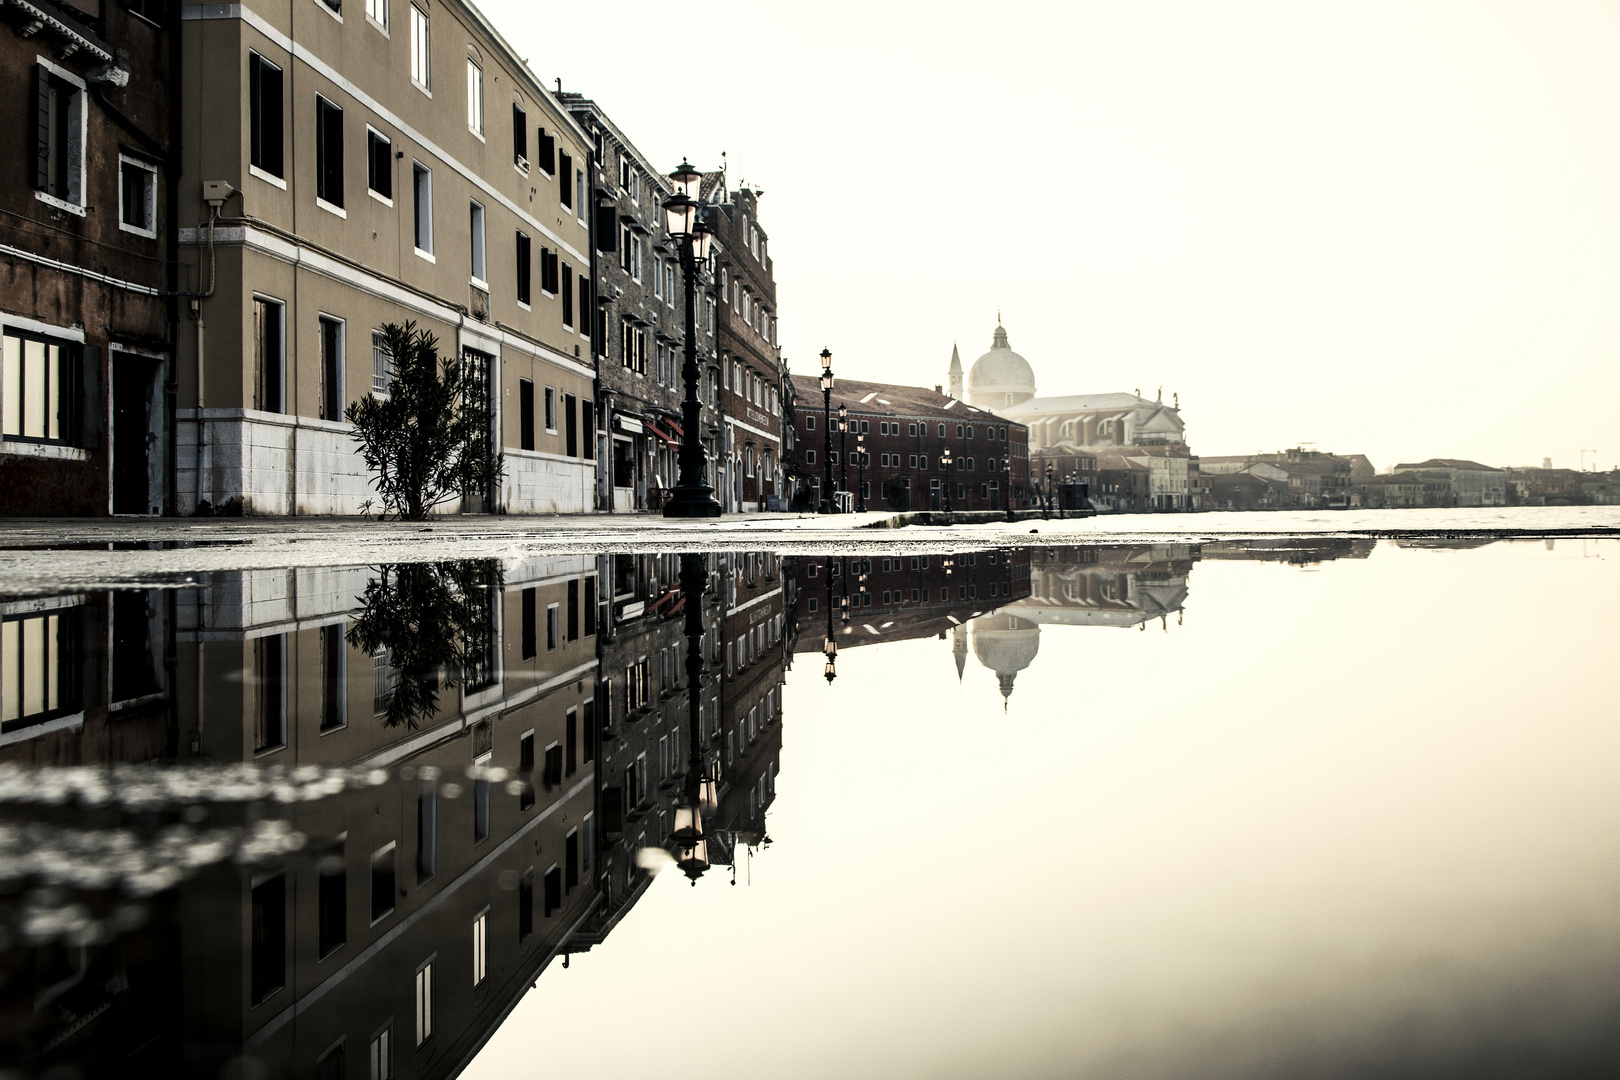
133 380
933 493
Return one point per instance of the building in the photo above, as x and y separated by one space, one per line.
1470 483
640 317
1306 479
906 430
748 394
86 322
356 165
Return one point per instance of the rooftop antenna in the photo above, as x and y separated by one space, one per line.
559 84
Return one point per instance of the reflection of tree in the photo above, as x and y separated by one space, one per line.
435 624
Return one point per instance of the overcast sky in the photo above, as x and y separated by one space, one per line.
1386 228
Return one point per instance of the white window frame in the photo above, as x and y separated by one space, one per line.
424 1000
480 957
478 252
151 195
342 362
81 103
416 208
421 50
386 200
475 98
373 7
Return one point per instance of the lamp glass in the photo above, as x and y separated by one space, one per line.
826 380
678 214
826 359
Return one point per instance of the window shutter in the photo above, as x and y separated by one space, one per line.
42 128
565 177
546 151
87 422
607 229
520 135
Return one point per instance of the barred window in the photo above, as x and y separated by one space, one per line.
382 365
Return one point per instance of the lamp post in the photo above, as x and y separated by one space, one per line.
692 496
843 446
827 504
1046 509
1006 482
860 465
945 461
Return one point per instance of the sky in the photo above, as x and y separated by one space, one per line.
1382 228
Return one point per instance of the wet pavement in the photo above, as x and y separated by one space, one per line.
332 799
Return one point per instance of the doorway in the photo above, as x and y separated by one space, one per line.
135 483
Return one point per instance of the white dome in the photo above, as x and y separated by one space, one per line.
1000 377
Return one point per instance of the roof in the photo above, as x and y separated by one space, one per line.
886 399
1446 463
1001 369
1084 403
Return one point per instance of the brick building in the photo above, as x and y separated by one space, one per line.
86 248
746 382
906 429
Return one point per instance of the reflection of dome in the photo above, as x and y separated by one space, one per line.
1000 377
1006 645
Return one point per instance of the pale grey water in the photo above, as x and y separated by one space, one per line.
1311 805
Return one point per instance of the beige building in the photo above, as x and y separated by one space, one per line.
381 161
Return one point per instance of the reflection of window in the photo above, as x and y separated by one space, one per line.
270 677
35 672
481 802
382 680
530 624
427 830
424 1003
334 677
332 900
382 882
553 890
553 629
480 934
268 955
382 1054
526 771
526 905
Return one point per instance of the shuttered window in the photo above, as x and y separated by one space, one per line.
328 152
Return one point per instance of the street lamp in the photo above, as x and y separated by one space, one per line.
698 791
827 505
945 463
830 647
843 445
860 480
1046 510
692 496
1006 482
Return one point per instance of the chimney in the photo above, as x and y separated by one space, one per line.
938 389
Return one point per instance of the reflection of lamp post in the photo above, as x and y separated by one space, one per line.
698 790
692 497
843 446
830 647
860 481
945 462
827 505
1046 511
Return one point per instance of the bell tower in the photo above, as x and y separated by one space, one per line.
956 373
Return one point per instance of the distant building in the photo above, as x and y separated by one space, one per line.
1308 479
1471 484
906 428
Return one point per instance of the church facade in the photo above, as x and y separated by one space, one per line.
1138 445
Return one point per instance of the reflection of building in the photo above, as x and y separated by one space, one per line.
1107 586
1006 644
1293 550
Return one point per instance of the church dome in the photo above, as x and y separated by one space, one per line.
1006 645
1000 377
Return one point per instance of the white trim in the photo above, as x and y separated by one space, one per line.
125 159
330 208
301 52
385 200
60 204
20 322
61 723
328 8
269 178
428 255
52 451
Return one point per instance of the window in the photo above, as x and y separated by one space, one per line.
382 365
584 309
553 887
332 900
382 882
270 698
571 860
568 296
579 194
379 165
334 677
268 326
422 183
549 271
37 387
573 608
565 169
809 423
553 630
520 137
330 1065
523 266
137 196
377 12
809 457
551 410
481 801
571 742
36 668
530 607
475 98
59 136
478 270
553 766
268 959
382 681
427 832
480 947
942 431
265 115
424 1003
545 151
526 771
419 48
526 435
332 395
382 1055
328 152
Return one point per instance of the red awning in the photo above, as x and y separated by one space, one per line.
676 428
658 431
